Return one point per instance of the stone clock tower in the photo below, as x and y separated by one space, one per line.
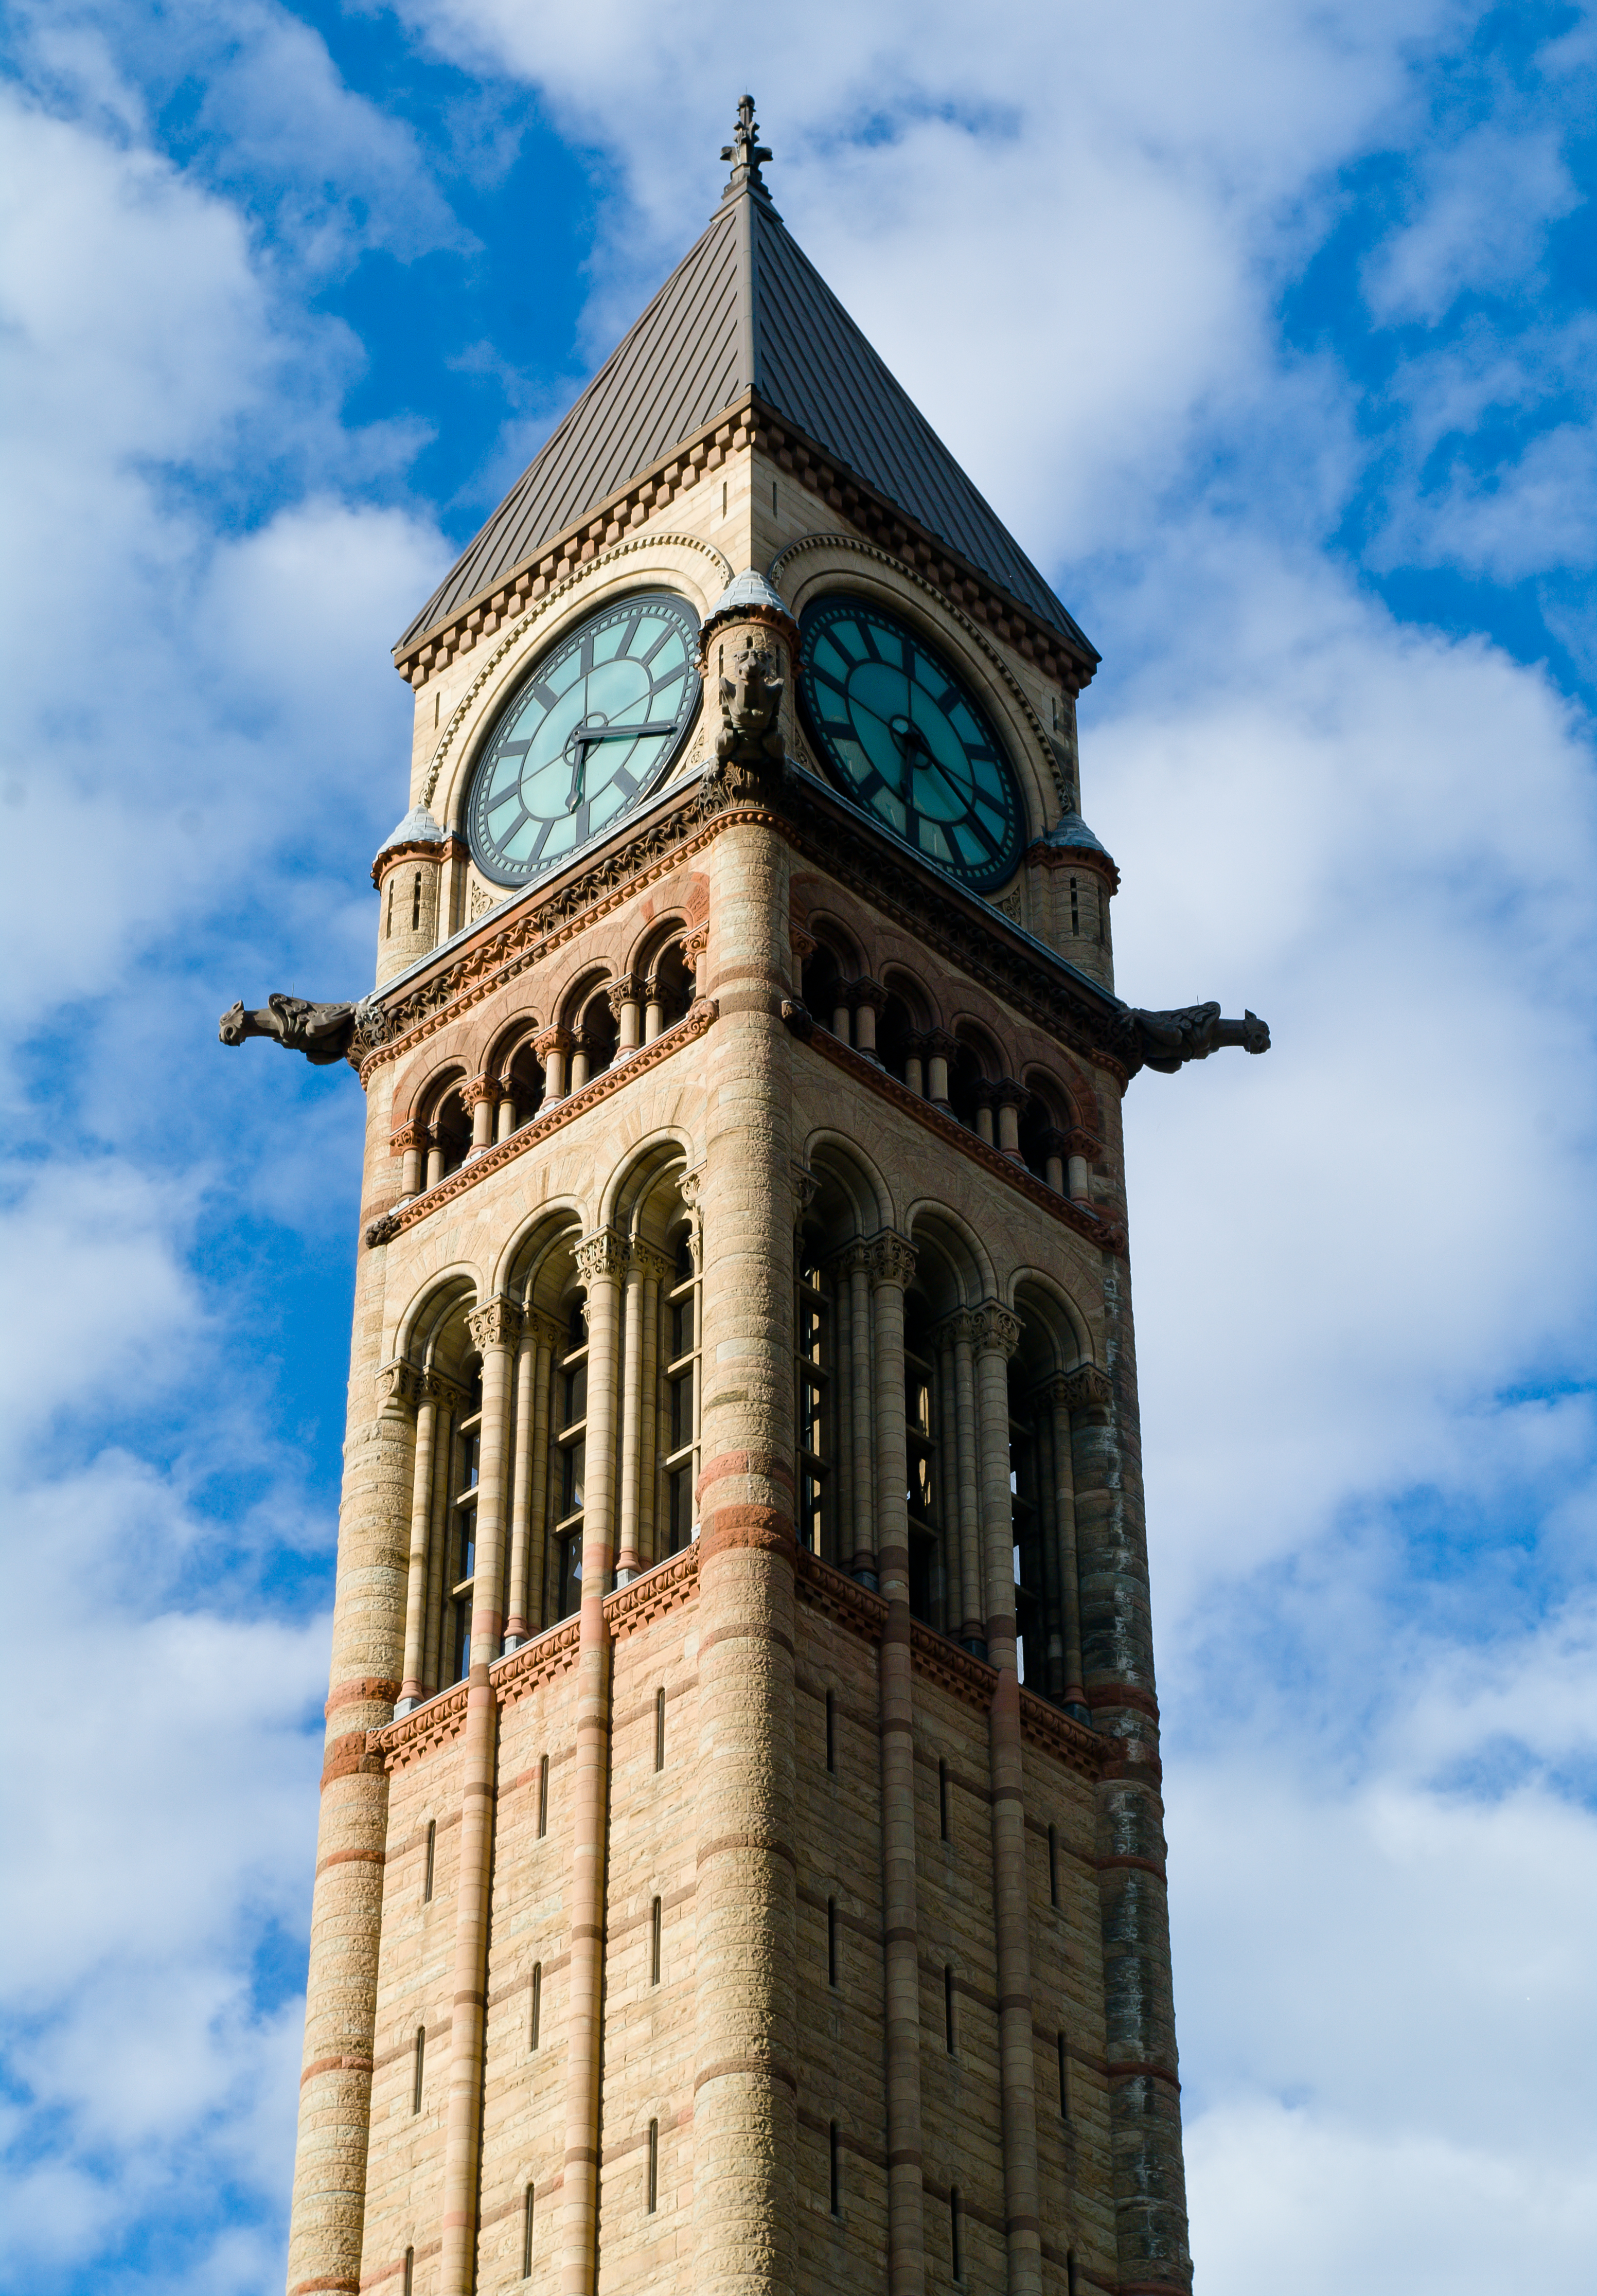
740 1863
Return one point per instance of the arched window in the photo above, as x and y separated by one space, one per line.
569 1475
825 990
461 1533
448 1128
593 1039
667 989
681 1336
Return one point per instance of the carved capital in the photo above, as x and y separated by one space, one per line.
448 1394
1088 1389
647 1262
997 1331
601 1257
689 1188
479 1087
407 1135
802 944
852 1255
940 1045
805 1188
544 1330
866 991
1009 1094
397 1386
497 1325
1078 1143
892 1259
693 947
625 991
552 1040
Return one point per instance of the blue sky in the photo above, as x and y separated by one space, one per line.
1270 331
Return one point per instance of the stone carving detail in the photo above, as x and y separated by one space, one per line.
997 1331
601 1255
322 1032
1165 1040
497 1325
648 1261
749 750
483 900
805 1187
893 1261
798 1018
396 1387
1088 1390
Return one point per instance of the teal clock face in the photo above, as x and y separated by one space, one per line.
903 734
589 731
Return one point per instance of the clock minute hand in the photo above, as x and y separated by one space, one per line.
588 737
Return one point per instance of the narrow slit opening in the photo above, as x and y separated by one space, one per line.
831 1940
834 2170
654 1925
654 2160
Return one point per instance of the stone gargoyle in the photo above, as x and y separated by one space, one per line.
322 1032
1166 1040
750 700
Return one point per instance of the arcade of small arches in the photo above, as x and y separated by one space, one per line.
1033 1118
557 1427
602 1019
944 1437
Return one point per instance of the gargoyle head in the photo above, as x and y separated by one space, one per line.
231 1028
752 696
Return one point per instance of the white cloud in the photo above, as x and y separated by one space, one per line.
1482 214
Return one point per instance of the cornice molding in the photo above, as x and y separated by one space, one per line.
539 611
699 1018
1087 1220
422 1731
1047 756
663 1588
1072 1742
521 1670
841 1597
748 423
975 939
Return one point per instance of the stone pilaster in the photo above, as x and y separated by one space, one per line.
495 1331
341 1996
892 1264
745 2101
1150 2187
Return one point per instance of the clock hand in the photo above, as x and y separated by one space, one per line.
587 737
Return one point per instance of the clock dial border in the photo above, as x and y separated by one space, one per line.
575 763
994 812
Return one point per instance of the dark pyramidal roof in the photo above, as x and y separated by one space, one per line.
745 311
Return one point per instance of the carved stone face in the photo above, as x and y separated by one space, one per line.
752 695
230 1028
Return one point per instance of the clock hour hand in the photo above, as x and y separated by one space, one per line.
587 736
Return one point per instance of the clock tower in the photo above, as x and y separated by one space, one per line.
740 1865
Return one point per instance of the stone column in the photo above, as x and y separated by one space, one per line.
1010 1098
516 1628
346 1924
1081 1150
450 1402
435 1159
495 1331
948 1483
654 1008
1150 2189
839 1015
862 1564
984 1113
411 1142
868 997
479 1096
552 1046
892 1265
627 1561
915 1074
1071 1691
745 2083
504 1117
964 1329
599 1263
656 1271
940 1049
551 1340
1053 1159
999 1336
411 1690
624 1004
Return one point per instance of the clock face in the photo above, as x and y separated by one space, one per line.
587 731
903 734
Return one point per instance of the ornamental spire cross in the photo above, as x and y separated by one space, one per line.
746 152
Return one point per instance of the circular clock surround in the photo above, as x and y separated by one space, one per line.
901 731
588 730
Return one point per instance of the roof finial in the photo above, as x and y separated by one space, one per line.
746 152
